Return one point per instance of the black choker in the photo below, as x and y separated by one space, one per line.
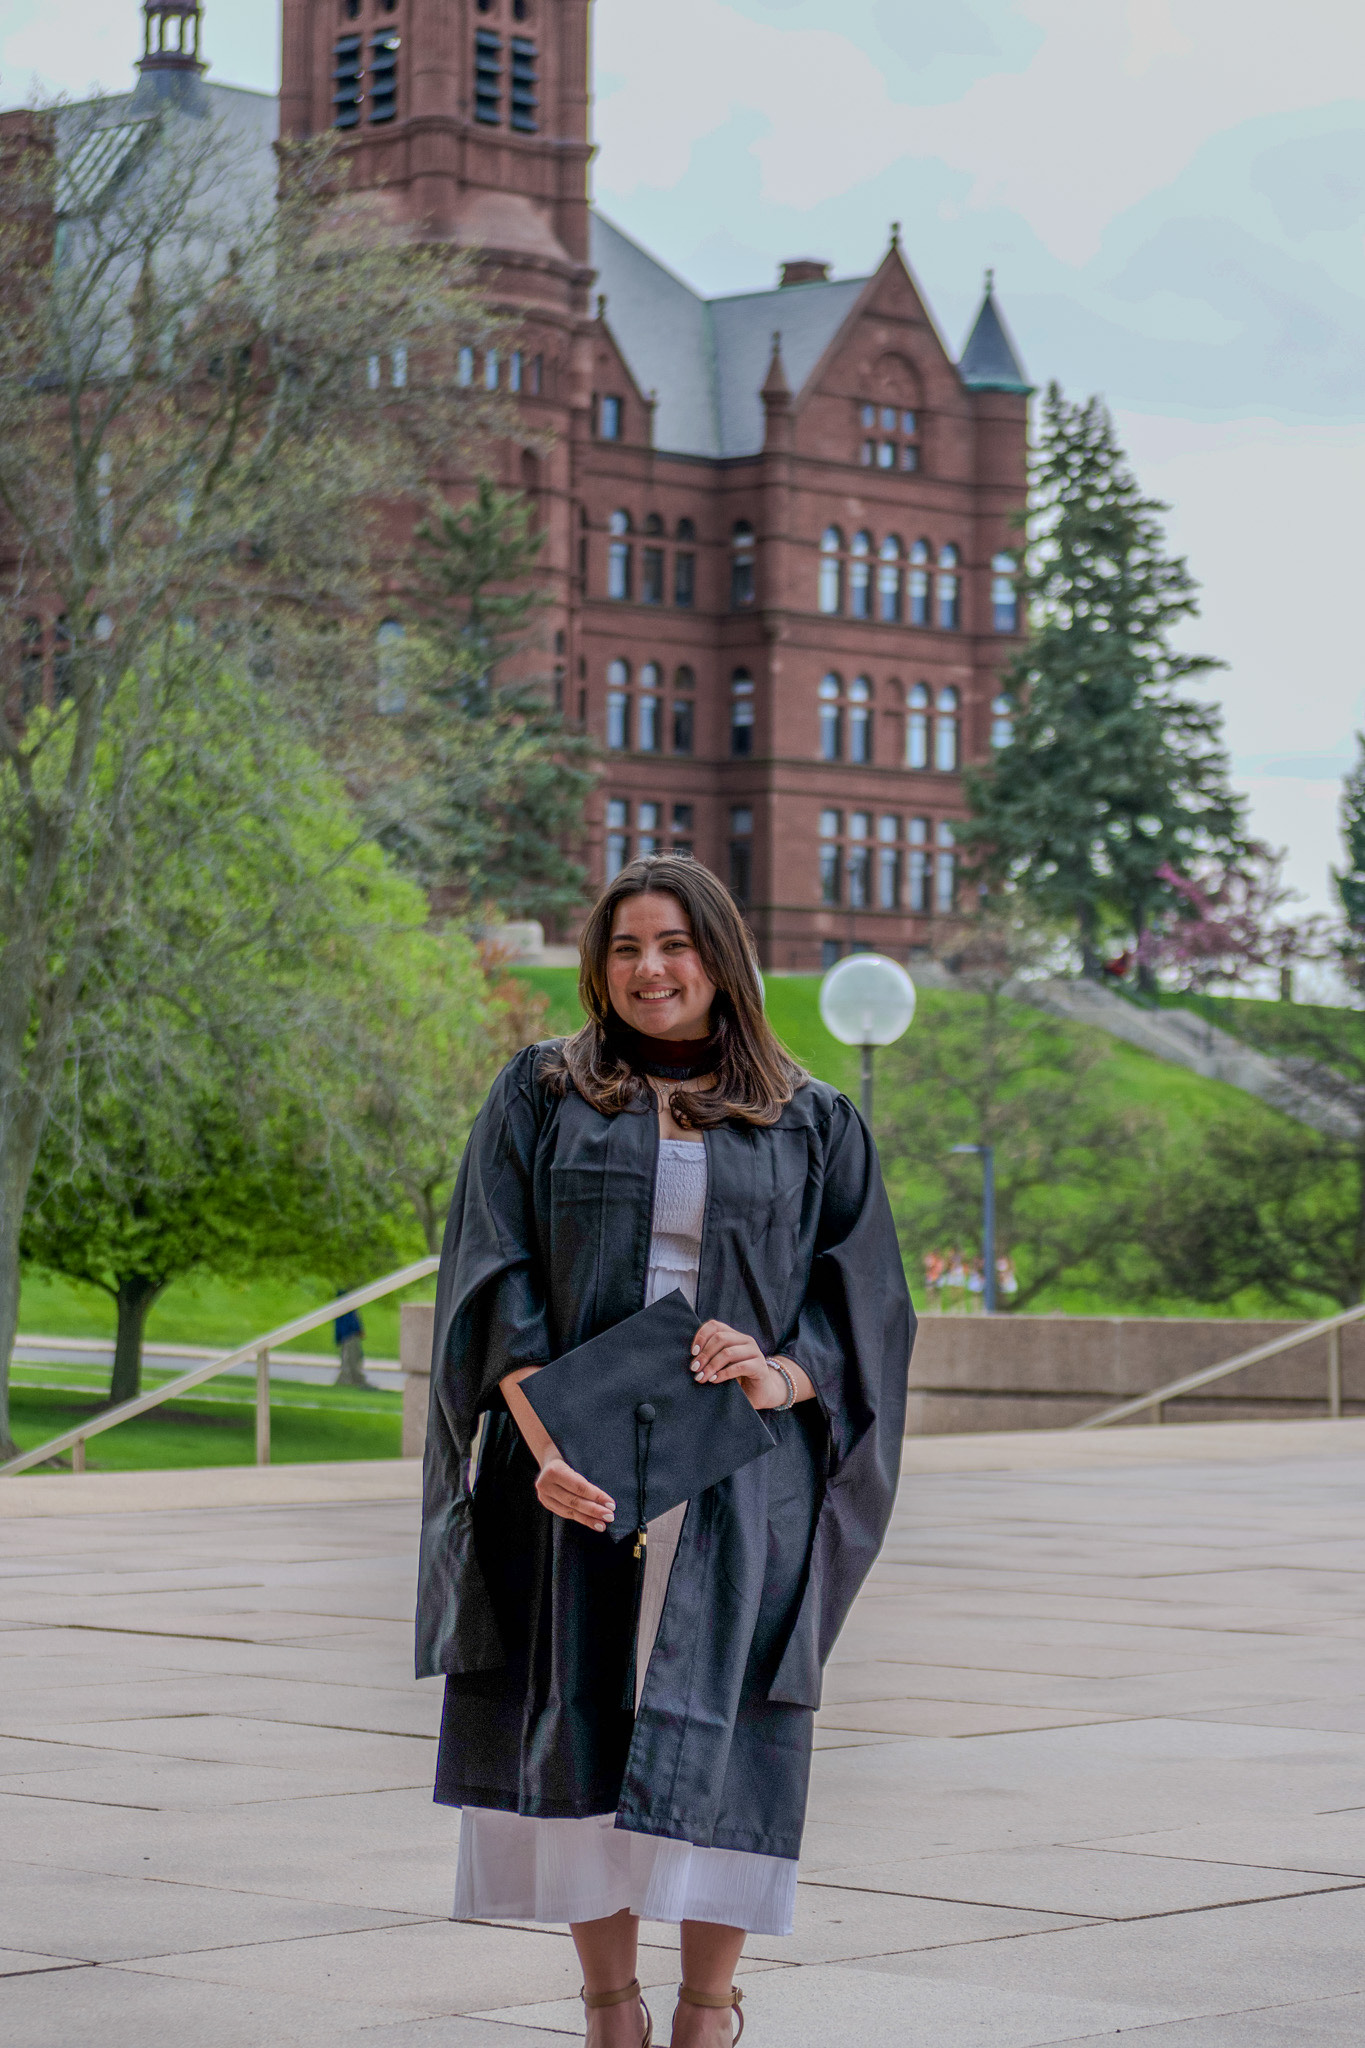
666 1059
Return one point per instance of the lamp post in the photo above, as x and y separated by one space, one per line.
867 1000
987 1154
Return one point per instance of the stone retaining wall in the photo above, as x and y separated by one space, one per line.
973 1373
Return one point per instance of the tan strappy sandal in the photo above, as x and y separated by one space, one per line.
734 1998
593 2001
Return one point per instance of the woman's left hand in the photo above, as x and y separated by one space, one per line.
720 1353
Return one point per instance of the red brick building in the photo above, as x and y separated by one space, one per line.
778 524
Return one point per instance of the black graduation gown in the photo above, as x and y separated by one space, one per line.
530 1616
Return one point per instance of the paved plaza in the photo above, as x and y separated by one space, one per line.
1091 1764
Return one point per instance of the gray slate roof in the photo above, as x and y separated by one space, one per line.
707 358
990 361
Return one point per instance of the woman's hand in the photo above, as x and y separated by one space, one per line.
720 1353
568 1494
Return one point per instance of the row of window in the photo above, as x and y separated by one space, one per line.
866 866
645 720
891 438
871 868
516 371
857 577
655 583
654 716
650 834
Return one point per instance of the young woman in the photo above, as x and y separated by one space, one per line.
669 1143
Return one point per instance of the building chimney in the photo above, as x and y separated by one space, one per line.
170 69
803 270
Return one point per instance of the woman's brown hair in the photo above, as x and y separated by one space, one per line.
755 1077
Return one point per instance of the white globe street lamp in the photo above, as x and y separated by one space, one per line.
867 1000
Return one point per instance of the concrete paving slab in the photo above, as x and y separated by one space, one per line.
423 1968
1285 1952
1190 1626
1099 1884
94 1918
16 1963
1320 2024
812 2006
842 1925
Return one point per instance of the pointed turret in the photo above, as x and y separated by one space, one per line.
990 361
776 394
776 389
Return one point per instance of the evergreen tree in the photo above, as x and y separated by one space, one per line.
501 777
1111 775
1350 881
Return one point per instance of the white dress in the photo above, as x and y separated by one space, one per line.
515 1867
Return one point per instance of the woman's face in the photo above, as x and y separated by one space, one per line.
655 978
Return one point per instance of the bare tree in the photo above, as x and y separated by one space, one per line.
220 406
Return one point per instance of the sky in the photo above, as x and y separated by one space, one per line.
1171 194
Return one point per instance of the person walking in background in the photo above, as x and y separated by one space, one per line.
631 1736
348 1332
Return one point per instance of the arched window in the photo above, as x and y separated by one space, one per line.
945 731
490 370
1002 722
919 583
653 524
949 590
889 581
831 720
917 727
464 369
860 719
1004 597
742 584
618 705
831 570
619 557
860 577
687 530
649 714
391 695
684 715
945 870
741 713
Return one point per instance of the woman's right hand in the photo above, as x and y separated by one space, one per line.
568 1494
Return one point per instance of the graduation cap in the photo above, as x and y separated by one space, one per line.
624 1410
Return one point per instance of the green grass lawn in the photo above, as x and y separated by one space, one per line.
215 1425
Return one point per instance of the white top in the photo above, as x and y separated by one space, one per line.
679 1210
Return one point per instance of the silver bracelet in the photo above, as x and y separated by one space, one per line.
790 1401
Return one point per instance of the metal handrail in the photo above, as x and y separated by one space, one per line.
259 1348
1330 1327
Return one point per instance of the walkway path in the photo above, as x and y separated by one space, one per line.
1091 1763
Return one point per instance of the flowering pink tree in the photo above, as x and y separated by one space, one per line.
1229 924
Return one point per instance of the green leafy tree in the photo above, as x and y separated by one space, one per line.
1111 774
979 1067
192 463
500 777
190 1132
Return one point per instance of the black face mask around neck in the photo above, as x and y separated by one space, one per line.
664 1059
